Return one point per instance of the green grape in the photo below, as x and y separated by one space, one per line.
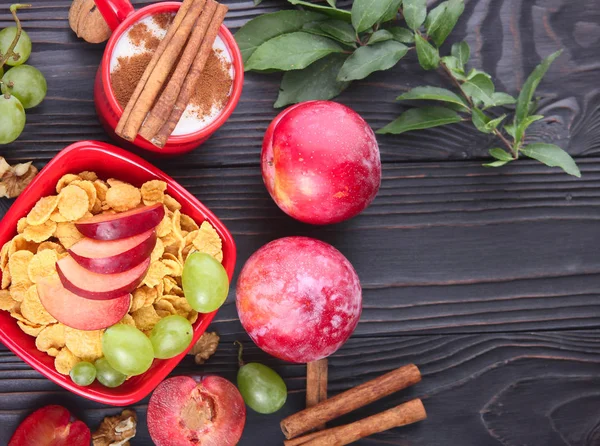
23 47
83 373
12 119
127 349
106 375
171 336
26 83
261 387
205 282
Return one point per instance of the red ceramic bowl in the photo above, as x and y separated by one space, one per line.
120 15
108 162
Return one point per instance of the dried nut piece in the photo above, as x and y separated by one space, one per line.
117 430
205 347
87 22
13 179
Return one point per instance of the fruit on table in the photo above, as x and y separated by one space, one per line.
51 426
186 411
320 162
171 336
90 285
26 83
83 373
106 375
12 119
122 225
115 256
77 312
299 299
261 387
23 47
127 349
205 282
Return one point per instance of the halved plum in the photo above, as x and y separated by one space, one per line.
185 411
51 426
77 312
114 256
90 285
122 225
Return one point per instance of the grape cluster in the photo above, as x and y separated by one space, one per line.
22 86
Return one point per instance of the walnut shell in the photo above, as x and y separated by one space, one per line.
87 22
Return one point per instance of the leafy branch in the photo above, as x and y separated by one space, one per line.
322 49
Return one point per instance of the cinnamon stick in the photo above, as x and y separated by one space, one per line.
190 81
316 384
163 107
350 400
159 73
402 415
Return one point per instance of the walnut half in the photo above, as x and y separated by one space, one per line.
205 347
87 22
13 179
117 430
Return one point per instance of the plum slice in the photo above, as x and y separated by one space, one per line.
114 256
77 312
90 285
208 411
122 225
51 426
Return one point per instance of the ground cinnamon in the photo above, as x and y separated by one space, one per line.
140 35
163 20
213 86
126 76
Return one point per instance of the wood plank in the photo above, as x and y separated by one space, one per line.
479 390
508 40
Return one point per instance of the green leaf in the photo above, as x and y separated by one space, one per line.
415 12
530 86
365 13
292 51
455 66
510 129
480 89
432 94
380 36
367 59
500 154
339 30
421 118
392 11
461 51
334 13
500 98
522 127
267 26
317 81
496 163
429 57
474 72
442 20
480 120
494 123
553 156
402 34
331 3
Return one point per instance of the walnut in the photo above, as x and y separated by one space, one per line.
87 22
13 179
117 430
205 347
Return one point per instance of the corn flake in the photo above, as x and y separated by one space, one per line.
21 225
65 361
52 246
51 339
90 190
20 243
65 181
18 291
86 175
188 223
171 203
164 227
127 320
67 234
18 264
158 251
145 318
208 241
174 268
41 232
142 297
30 329
58 217
153 192
86 345
7 303
43 264
42 210
123 197
73 202
101 189
155 274
33 310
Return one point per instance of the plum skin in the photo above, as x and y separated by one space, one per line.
299 299
320 162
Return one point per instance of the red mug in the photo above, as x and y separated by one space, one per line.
120 16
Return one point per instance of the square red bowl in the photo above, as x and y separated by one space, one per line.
108 162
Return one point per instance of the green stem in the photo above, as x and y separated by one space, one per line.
240 353
10 51
513 150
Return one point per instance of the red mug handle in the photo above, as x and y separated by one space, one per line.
114 11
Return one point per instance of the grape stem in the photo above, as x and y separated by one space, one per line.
10 52
241 362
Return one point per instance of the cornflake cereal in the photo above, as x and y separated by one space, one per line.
46 233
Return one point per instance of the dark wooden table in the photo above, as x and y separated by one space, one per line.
489 280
